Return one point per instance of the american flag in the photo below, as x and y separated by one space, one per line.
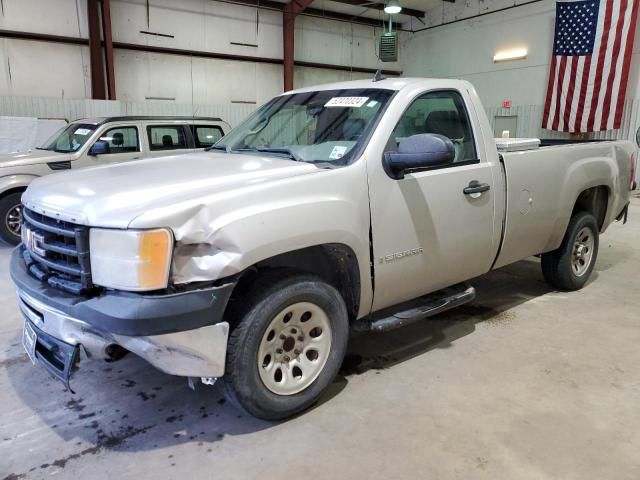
590 65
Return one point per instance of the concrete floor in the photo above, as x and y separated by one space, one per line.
525 383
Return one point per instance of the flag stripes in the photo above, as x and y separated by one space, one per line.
589 67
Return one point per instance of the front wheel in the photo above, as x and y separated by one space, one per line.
11 218
287 345
570 266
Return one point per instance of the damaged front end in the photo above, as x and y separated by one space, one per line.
179 333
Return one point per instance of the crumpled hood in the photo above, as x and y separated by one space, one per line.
114 195
31 157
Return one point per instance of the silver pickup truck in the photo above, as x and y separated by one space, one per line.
352 206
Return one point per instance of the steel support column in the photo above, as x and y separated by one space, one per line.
291 10
98 91
108 48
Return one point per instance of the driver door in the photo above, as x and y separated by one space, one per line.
427 233
123 142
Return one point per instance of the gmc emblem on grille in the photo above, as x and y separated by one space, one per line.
32 241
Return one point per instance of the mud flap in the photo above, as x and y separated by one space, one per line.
624 214
59 358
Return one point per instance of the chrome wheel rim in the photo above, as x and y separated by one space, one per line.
13 220
582 251
294 348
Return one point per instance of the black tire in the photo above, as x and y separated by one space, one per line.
252 315
557 266
7 204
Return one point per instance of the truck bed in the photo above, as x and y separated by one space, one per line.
544 184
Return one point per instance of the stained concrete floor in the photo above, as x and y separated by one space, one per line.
524 383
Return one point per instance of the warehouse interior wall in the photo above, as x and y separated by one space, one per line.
157 83
201 25
465 49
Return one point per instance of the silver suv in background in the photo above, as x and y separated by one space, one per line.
98 141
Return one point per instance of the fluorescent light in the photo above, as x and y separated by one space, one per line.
514 54
392 7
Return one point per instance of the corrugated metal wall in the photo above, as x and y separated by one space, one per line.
529 116
530 119
45 107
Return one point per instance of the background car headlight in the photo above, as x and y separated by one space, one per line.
135 260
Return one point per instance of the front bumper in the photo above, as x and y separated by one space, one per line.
180 334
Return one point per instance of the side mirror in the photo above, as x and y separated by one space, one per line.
426 150
99 148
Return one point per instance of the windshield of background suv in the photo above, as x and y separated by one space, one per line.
324 126
70 138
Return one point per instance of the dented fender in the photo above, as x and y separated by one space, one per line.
222 235
228 245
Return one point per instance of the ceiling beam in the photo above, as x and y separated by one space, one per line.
380 6
343 17
309 12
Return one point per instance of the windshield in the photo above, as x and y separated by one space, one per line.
70 138
324 126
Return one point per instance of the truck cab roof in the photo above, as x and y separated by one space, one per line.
397 83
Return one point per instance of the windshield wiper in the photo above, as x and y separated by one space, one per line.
42 148
285 150
224 147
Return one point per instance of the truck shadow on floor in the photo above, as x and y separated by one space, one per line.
130 406
497 293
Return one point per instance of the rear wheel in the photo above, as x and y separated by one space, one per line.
287 345
570 266
11 218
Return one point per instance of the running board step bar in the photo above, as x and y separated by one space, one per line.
418 309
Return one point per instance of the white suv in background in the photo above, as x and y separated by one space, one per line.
98 141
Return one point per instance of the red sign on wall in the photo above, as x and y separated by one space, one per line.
506 104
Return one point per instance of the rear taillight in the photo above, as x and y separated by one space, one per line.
632 178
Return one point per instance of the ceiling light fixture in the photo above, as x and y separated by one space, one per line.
392 7
515 54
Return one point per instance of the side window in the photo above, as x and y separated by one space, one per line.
121 139
206 135
166 137
441 112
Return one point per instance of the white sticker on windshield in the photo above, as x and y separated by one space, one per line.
337 152
354 102
82 131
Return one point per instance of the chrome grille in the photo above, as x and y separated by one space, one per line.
57 252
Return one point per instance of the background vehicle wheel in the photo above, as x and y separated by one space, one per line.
287 343
569 267
11 218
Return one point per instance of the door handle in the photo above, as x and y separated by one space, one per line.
476 188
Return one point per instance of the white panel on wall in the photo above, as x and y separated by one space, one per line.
202 25
128 17
269 81
44 69
465 50
141 75
69 109
340 43
233 23
53 17
307 76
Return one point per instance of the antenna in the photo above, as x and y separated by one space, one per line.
378 76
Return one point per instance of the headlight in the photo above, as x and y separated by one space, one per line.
134 260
